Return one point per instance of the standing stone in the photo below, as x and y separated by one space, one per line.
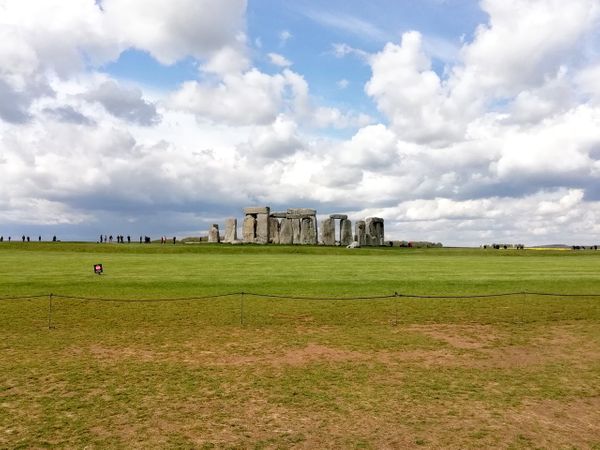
213 234
345 232
296 231
308 231
249 229
360 234
285 232
328 232
262 228
273 230
230 230
374 231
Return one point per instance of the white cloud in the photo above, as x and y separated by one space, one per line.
343 83
126 104
284 37
411 94
249 98
178 28
279 60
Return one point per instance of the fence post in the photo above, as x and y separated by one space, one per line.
50 312
242 309
396 308
524 309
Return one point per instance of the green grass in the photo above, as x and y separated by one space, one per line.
512 372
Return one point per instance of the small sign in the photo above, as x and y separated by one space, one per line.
98 269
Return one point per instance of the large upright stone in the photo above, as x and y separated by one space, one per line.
345 232
374 231
249 229
285 232
230 230
213 234
273 230
328 232
308 231
360 232
262 228
296 231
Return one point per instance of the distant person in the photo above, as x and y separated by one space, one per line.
28 239
110 239
174 240
128 239
23 237
105 239
101 239
54 238
39 239
140 239
9 239
1 238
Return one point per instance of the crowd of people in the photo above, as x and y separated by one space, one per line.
143 239
26 238
120 239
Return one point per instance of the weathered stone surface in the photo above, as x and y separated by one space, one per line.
249 229
345 232
230 230
213 234
273 230
262 228
257 210
296 231
302 211
279 214
338 216
328 232
285 232
360 232
294 216
308 231
374 231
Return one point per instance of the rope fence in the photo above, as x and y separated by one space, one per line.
244 295
294 297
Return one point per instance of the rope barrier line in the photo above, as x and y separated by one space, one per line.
293 297
144 300
22 297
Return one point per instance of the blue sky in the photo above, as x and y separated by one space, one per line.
457 121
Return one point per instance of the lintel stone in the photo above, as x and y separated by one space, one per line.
257 210
302 211
338 216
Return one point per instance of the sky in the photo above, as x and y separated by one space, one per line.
456 121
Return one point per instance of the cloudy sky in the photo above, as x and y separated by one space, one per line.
456 121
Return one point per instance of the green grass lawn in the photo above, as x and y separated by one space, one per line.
521 371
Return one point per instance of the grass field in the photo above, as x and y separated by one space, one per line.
519 371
